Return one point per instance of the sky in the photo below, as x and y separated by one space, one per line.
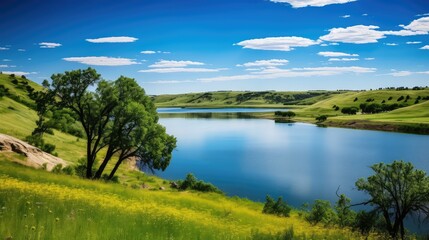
172 46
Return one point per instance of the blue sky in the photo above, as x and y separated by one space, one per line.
204 45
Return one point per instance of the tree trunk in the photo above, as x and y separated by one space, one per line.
89 159
103 165
112 173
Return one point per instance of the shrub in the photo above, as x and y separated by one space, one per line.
321 211
80 167
288 114
365 222
68 170
57 169
337 108
390 98
355 99
400 98
321 118
279 208
49 148
350 110
192 183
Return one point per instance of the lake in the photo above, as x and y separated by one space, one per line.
302 162
218 110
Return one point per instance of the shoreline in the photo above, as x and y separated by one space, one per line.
409 128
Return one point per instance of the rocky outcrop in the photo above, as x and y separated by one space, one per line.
35 156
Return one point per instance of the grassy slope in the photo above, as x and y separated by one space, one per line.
229 99
41 205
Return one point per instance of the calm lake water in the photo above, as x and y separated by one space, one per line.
301 162
217 110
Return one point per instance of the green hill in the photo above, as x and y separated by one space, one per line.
242 99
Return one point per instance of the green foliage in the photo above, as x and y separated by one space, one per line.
191 183
279 208
400 98
3 90
68 170
396 190
57 169
365 222
288 234
345 215
321 212
349 110
321 118
378 108
288 114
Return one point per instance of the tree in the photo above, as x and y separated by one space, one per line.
288 114
350 110
116 115
396 190
321 118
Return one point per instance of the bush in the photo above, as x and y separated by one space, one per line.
365 222
390 98
350 110
279 208
80 168
68 170
192 183
321 211
49 148
57 169
400 98
288 114
321 118
355 99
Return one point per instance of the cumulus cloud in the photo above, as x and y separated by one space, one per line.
311 3
345 16
425 47
358 34
3 48
277 43
49 45
417 27
273 73
102 61
174 64
265 63
122 39
337 54
181 70
414 42
343 59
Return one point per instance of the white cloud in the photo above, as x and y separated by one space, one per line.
181 70
345 16
274 73
370 59
148 52
49 45
277 43
400 73
7 60
174 64
365 14
21 50
358 34
265 63
337 54
391 44
343 59
311 3
29 59
3 48
122 39
102 61
3 66
425 47
19 73
419 25
421 15
415 42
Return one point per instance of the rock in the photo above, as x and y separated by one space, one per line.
161 188
35 156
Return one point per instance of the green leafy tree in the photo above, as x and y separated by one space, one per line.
396 190
117 115
321 118
279 208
